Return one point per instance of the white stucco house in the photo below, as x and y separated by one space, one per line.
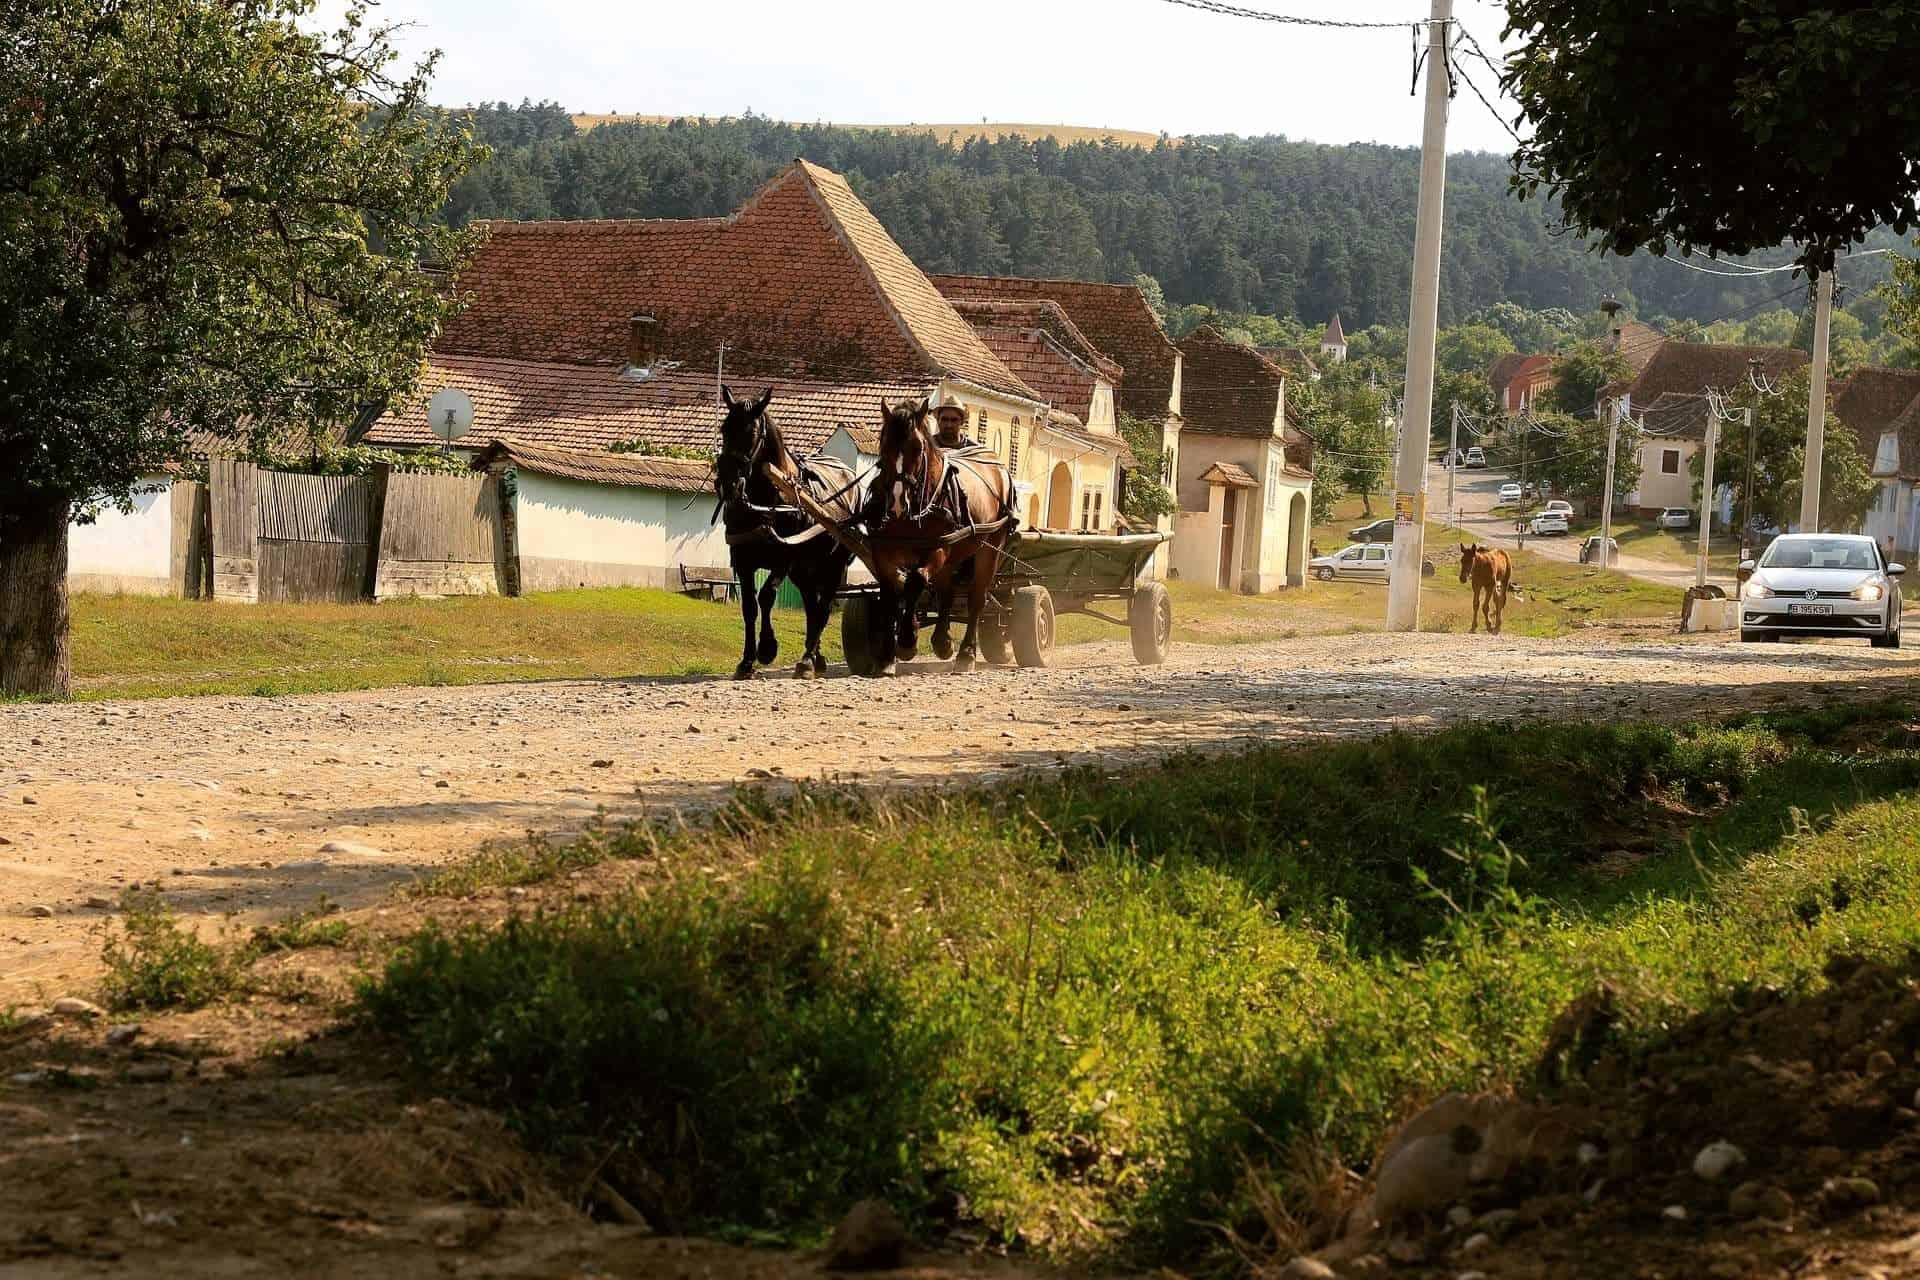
117 552
1244 476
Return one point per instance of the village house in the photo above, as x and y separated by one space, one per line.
1882 408
583 336
1116 340
1244 482
1518 381
1667 400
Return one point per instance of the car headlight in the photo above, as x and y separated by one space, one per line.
1869 591
1756 589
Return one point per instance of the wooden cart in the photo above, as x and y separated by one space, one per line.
1044 575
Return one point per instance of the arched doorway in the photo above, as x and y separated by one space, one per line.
1033 511
1297 540
1060 497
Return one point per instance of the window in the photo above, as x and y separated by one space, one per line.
1092 504
1376 554
1273 485
983 426
1013 446
1352 553
1669 462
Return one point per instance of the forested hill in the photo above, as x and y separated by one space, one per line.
1262 224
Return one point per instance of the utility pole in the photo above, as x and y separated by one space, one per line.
1453 458
1416 417
1706 499
1816 407
1746 530
1606 487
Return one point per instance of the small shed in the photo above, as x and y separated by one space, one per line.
579 519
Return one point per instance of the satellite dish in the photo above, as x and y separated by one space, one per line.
450 414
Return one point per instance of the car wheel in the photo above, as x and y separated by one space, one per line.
1889 641
1324 574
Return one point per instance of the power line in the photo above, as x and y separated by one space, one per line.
1294 20
1491 109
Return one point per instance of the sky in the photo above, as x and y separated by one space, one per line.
1124 64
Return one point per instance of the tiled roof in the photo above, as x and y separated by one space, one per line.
1637 342
1047 316
1294 359
865 439
1228 389
1509 367
1114 317
1872 399
581 407
1335 335
1231 474
1677 417
632 470
802 281
1043 364
1690 368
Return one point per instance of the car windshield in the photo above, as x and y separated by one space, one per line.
1820 553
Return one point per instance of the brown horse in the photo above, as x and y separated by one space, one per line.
939 517
1491 572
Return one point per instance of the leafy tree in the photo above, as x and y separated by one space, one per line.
1467 390
1147 496
1528 330
1569 452
1779 459
1347 419
1719 131
210 220
1578 375
1470 348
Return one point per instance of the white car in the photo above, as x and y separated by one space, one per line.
1510 492
1559 507
1476 457
1548 524
1823 584
1675 518
1361 560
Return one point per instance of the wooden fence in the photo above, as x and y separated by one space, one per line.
280 537
191 548
314 542
440 535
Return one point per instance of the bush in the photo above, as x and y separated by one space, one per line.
153 963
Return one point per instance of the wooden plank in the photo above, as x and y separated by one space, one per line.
299 571
439 535
233 527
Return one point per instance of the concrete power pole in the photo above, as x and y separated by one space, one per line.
1816 407
1606 486
1416 417
1706 499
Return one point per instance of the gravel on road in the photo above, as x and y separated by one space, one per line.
255 807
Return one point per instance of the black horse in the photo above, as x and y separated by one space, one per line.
764 534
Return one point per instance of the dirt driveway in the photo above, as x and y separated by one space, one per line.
253 807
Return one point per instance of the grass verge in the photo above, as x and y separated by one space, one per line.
1073 1010
144 646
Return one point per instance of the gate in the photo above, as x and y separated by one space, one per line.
313 542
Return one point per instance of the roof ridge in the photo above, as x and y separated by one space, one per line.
817 180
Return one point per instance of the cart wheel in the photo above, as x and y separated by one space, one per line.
1150 617
857 619
995 643
1033 626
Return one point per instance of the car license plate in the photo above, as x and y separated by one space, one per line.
1818 610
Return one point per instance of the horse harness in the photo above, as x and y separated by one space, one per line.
763 529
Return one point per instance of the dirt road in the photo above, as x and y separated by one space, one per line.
255 807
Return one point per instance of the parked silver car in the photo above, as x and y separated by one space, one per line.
1675 518
1823 584
1362 560
1548 524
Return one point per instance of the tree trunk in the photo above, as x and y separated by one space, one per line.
33 600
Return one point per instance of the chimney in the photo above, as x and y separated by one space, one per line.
643 337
